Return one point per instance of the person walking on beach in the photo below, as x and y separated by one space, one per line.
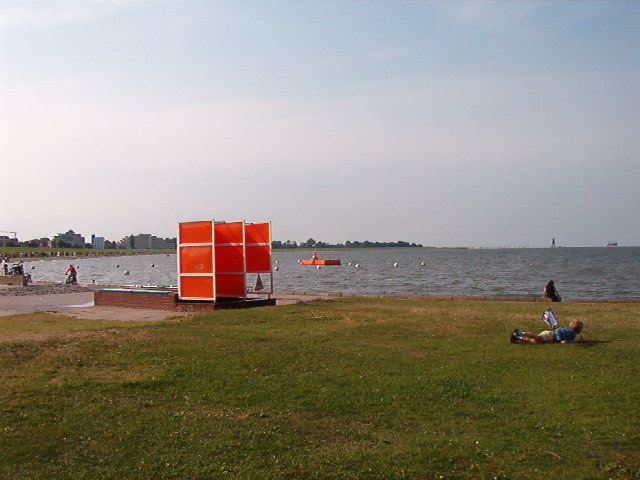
551 293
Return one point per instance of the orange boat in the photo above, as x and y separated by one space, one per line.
320 262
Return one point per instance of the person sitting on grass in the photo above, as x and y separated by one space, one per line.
558 335
551 293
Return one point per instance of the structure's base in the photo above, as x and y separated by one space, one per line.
222 304
154 299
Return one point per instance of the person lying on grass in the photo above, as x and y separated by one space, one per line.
558 335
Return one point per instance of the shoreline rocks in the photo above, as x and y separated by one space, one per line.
50 289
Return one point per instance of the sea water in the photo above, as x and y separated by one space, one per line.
579 273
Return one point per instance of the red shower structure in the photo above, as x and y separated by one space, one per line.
214 258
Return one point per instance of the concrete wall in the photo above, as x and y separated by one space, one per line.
134 299
168 300
19 280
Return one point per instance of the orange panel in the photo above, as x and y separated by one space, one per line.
228 232
196 287
256 233
229 259
195 232
230 285
258 259
196 259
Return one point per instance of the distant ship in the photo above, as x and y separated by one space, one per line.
612 244
553 242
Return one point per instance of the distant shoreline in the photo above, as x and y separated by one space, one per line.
44 287
39 253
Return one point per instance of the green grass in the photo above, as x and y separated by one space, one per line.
40 323
356 388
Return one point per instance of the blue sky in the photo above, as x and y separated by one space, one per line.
444 123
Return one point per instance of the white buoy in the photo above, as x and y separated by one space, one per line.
349 263
277 268
32 267
126 272
117 266
277 261
395 264
357 265
422 264
317 267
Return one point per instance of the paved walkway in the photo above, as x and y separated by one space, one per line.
79 304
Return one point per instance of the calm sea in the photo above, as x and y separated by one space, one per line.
579 273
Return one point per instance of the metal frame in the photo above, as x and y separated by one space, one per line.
213 262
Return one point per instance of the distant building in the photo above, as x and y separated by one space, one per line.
8 242
97 242
144 241
70 238
39 243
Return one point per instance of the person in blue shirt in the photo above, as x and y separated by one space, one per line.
559 335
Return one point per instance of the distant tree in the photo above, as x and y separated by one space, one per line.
312 243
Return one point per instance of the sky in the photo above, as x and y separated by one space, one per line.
445 123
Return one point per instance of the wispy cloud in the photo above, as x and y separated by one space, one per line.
46 13
387 53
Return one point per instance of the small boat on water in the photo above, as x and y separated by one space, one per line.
320 262
612 244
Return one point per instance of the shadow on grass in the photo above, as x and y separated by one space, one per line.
585 343
592 343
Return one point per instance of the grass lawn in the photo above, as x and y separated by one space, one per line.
355 388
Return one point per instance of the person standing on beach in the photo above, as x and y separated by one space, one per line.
551 293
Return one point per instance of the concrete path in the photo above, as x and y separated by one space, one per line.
80 304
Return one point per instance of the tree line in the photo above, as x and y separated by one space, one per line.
275 244
311 243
